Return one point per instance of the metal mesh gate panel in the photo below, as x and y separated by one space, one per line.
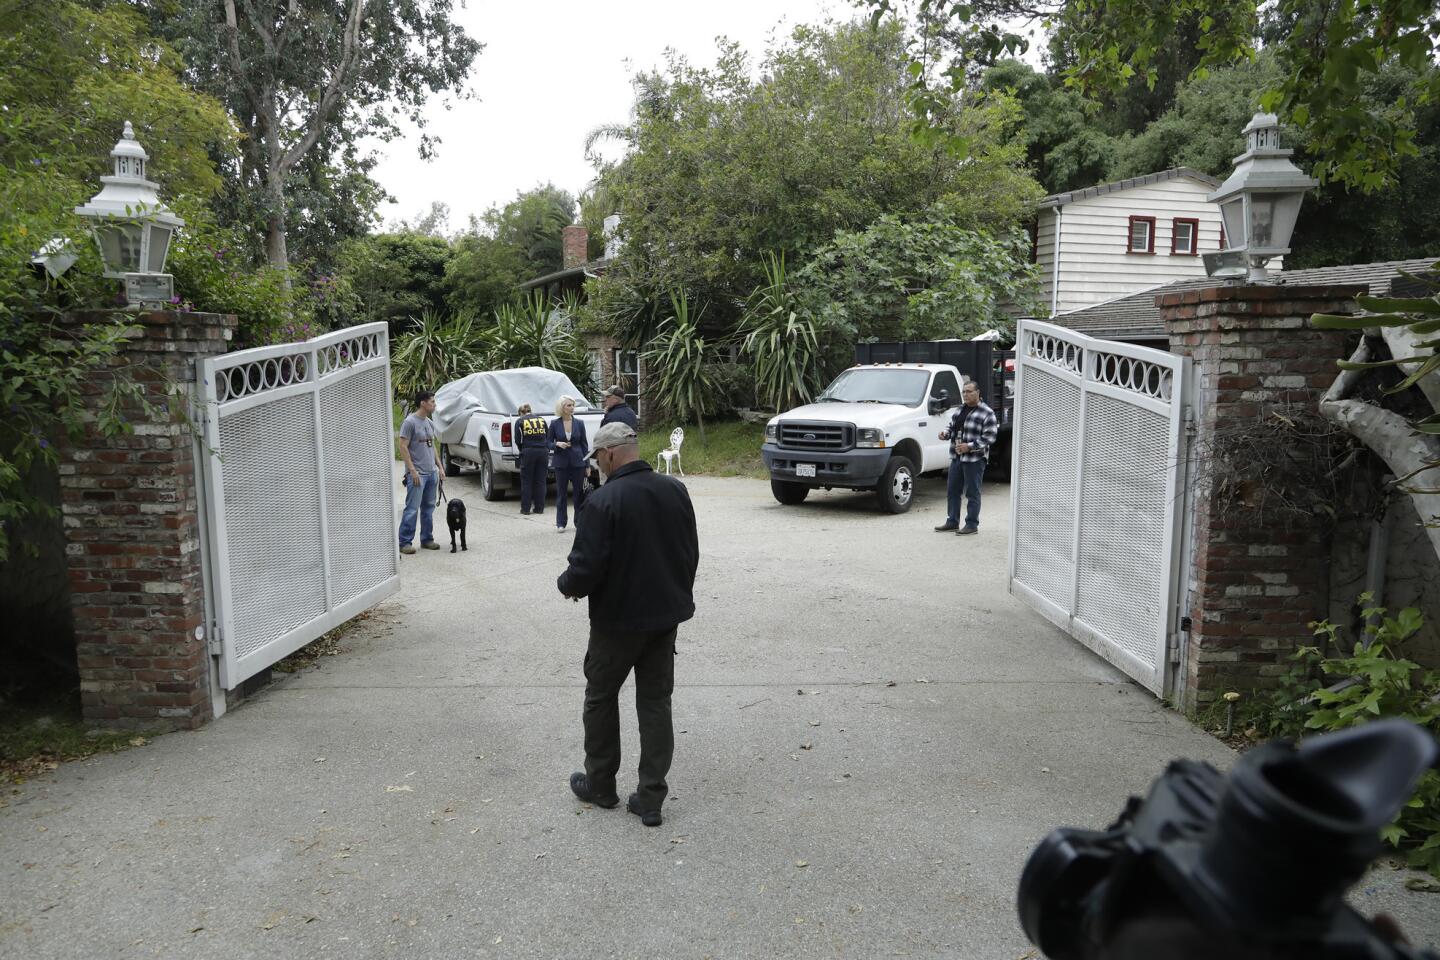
297 481
1098 495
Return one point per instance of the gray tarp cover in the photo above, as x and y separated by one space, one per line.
501 391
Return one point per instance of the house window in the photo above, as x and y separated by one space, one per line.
1184 234
1142 235
627 374
597 371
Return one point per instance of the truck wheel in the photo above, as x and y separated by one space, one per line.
489 489
789 493
896 489
452 466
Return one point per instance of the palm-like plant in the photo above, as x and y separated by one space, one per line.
437 350
684 382
532 332
782 341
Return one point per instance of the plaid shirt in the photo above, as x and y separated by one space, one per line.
976 426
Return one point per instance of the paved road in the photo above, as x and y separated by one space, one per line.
871 737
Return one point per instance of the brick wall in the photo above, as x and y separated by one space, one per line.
1255 583
573 241
133 543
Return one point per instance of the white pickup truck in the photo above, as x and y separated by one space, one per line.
475 420
875 427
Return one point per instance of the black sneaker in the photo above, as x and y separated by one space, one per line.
580 784
966 531
651 818
947 526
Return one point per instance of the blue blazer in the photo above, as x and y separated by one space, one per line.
574 457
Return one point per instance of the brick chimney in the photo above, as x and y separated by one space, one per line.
573 240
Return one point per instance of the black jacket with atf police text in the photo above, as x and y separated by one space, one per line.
530 433
635 553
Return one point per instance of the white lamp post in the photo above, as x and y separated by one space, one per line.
132 226
1258 203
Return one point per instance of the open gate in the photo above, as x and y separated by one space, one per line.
1099 494
297 492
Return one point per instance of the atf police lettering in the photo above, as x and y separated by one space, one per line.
533 427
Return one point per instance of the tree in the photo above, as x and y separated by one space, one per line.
1063 143
679 361
920 278
531 225
482 273
723 165
395 277
308 75
1323 52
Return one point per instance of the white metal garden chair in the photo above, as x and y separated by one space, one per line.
672 452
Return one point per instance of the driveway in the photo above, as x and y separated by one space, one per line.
871 736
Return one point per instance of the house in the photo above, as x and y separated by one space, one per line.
1134 318
611 363
1103 242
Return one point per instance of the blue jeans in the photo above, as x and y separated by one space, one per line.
965 476
419 499
565 478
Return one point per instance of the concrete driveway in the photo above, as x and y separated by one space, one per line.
871 736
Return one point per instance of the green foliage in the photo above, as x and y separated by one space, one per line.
730 161
678 362
394 277
530 226
437 350
482 273
1331 689
786 342
918 279
534 332
1324 52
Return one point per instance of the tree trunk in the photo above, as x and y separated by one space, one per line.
276 250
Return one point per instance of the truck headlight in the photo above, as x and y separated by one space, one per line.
870 437
772 432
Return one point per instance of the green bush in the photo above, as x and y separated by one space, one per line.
1331 690
678 364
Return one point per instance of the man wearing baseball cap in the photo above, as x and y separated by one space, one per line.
617 410
634 558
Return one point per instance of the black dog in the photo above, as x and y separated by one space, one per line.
455 520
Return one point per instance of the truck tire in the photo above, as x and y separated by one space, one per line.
452 466
489 489
789 493
896 489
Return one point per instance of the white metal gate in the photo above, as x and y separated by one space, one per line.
297 492
1098 494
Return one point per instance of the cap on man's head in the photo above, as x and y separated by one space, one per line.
613 435
615 391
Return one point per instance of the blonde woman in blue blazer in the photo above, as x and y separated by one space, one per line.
568 448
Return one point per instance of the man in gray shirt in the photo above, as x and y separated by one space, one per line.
422 479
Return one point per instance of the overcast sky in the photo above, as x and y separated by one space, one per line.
551 72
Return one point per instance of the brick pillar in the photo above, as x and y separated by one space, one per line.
132 539
1255 584
573 242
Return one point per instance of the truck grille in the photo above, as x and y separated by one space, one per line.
804 435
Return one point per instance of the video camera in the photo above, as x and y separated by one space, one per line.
1253 866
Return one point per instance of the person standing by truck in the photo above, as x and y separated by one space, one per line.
568 445
530 433
617 410
973 428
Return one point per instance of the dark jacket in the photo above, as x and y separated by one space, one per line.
560 457
635 553
531 434
622 413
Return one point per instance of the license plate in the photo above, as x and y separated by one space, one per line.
804 469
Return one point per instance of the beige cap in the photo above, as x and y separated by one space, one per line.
613 435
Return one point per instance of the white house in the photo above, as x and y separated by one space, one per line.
1114 239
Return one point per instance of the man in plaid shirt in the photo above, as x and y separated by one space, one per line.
973 427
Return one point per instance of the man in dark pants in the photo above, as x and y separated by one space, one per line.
530 440
972 432
617 410
635 558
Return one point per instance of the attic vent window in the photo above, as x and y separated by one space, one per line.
1142 235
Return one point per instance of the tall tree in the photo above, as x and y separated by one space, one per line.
307 75
531 225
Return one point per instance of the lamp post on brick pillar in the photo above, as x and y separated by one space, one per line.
1255 582
129 503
